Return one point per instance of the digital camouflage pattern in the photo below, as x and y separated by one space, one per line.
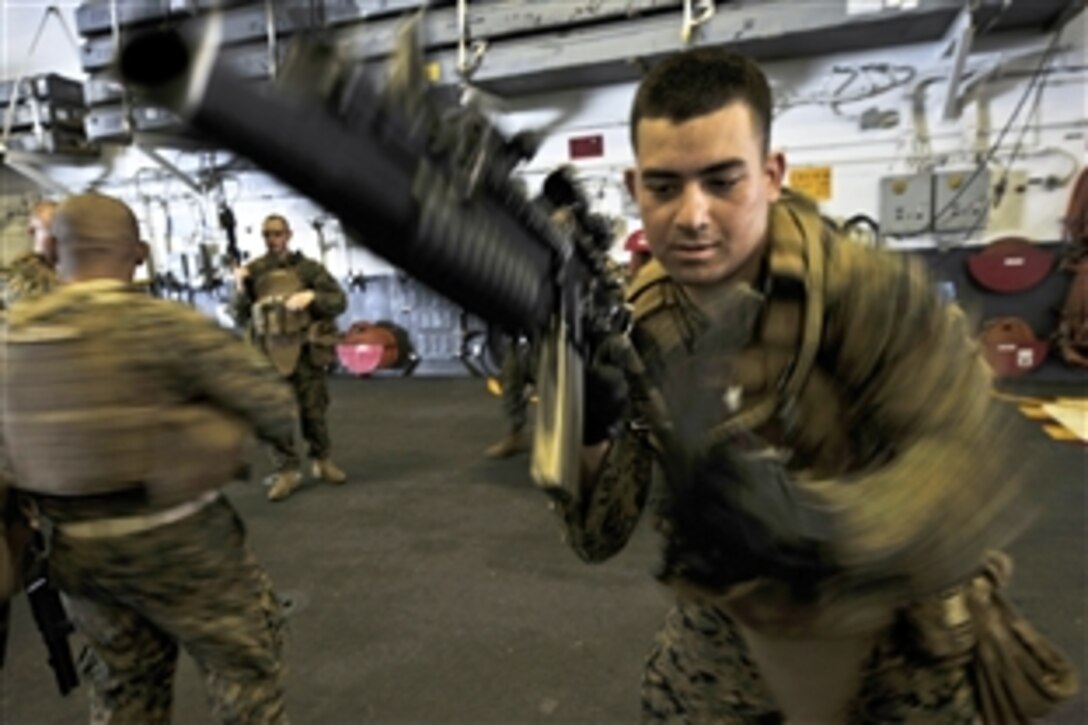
308 379
29 276
312 398
895 368
191 584
194 584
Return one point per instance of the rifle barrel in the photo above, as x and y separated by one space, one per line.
476 252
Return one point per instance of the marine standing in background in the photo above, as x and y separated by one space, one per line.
291 303
34 273
840 463
516 378
124 416
567 206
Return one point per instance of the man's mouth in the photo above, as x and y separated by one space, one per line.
692 251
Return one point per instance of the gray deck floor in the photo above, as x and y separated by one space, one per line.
433 587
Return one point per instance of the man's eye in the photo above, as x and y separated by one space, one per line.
720 186
661 188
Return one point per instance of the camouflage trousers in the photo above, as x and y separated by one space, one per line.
192 584
701 671
312 397
518 371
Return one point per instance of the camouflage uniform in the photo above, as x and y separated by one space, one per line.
895 371
308 379
192 582
517 375
30 275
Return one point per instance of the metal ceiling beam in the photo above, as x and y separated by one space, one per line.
369 33
764 29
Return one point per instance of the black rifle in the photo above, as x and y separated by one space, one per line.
49 616
230 228
430 187
51 619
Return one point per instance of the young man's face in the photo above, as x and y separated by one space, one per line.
276 235
703 189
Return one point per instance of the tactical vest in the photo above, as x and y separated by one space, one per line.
80 419
280 332
777 390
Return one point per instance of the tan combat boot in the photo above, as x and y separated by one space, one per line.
325 470
284 484
514 443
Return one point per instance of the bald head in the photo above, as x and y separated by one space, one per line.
97 237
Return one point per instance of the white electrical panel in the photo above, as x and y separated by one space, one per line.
961 200
906 204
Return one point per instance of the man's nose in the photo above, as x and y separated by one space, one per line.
693 216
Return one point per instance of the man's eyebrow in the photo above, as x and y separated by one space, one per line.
713 169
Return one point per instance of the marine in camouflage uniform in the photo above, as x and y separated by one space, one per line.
324 300
34 273
149 555
827 364
566 204
516 379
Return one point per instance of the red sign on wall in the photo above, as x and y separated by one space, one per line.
586 147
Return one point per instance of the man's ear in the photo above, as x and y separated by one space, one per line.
776 174
143 252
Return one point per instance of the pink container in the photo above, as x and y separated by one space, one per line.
360 358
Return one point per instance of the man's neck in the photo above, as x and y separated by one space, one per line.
91 275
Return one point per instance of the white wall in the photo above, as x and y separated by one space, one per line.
1054 144
1054 134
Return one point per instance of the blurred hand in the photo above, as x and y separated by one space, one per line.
300 300
241 274
606 391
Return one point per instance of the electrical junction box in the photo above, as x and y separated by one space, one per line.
961 200
906 204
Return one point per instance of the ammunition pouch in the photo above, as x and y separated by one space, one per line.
280 332
1019 676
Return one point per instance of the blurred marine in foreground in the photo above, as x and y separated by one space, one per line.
836 474
123 417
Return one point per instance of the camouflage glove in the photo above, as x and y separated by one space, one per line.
606 392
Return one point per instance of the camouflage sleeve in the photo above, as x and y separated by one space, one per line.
953 484
212 364
28 278
329 298
599 524
241 302
905 357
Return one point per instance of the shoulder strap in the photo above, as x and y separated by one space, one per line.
798 256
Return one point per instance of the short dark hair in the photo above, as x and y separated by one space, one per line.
277 218
700 81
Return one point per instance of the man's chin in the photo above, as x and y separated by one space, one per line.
692 276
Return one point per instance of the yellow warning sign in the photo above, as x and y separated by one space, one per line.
814 181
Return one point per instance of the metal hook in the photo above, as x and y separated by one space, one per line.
470 53
693 21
